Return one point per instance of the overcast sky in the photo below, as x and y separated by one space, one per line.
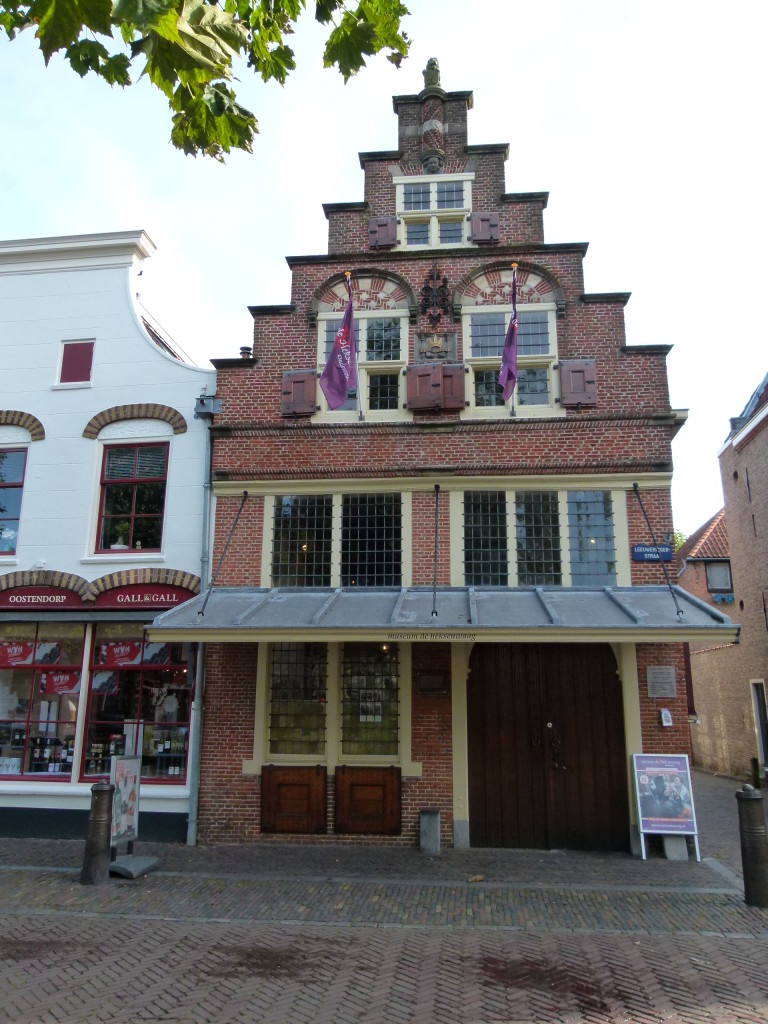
645 122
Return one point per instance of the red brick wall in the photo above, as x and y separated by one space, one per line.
230 803
431 745
659 739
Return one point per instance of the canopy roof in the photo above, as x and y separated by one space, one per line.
491 614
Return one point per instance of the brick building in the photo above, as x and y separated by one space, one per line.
726 566
427 598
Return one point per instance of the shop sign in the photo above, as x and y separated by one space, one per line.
53 683
14 653
38 598
652 553
664 795
151 595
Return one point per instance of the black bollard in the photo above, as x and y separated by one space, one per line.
754 846
99 842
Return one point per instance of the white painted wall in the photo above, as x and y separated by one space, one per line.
79 288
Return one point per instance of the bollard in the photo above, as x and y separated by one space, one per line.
99 842
754 846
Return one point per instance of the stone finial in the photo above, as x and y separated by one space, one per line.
432 74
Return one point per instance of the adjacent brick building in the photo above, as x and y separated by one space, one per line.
728 568
427 599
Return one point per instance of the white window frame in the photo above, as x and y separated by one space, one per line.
618 506
433 216
366 367
545 361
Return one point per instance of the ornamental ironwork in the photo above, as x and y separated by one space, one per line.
435 297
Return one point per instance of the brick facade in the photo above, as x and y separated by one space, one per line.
625 437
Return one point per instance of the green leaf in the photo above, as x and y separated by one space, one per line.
144 14
374 26
325 10
210 122
60 22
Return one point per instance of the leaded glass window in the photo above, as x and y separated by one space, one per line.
590 538
297 699
369 699
537 534
301 548
485 538
371 541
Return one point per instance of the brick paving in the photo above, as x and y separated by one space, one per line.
287 934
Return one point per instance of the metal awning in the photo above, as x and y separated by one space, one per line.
464 614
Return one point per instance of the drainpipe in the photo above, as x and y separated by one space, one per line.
204 410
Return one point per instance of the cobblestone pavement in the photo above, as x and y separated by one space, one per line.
287 934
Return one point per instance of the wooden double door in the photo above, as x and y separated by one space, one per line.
547 758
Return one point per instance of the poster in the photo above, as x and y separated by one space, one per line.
124 776
664 794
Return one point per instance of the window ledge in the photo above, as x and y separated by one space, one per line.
9 560
71 385
123 556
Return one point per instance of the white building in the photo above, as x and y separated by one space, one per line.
103 516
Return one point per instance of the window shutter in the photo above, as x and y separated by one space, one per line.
453 385
76 362
485 227
578 385
424 386
368 800
293 799
382 232
298 395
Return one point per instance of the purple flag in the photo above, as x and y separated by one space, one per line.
340 373
508 372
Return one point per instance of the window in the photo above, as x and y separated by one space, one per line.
370 540
369 702
12 465
433 211
554 538
537 531
139 703
719 577
484 335
76 362
590 537
301 541
485 538
40 667
379 342
358 534
297 699
132 497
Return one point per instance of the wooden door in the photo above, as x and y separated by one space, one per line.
547 759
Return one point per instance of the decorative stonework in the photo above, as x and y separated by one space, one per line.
161 577
140 411
379 292
16 418
493 287
48 578
435 296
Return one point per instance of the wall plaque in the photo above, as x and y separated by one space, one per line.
661 681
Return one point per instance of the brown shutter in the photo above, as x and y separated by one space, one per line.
298 395
382 232
424 386
578 384
453 385
293 799
368 800
485 227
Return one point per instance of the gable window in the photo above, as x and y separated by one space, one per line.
349 540
433 212
76 362
719 577
133 480
12 464
484 335
379 341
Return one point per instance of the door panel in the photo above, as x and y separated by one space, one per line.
547 761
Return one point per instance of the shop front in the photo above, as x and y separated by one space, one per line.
80 684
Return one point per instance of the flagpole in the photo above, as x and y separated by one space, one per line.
348 275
